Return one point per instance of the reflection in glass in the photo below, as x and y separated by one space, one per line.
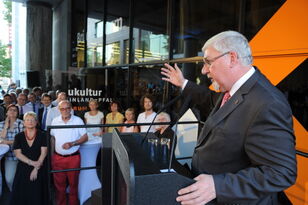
114 26
117 32
113 53
258 12
150 31
99 29
196 21
94 42
151 47
126 52
95 55
77 35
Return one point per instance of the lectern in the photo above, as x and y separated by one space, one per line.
136 177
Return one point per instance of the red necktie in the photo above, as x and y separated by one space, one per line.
226 97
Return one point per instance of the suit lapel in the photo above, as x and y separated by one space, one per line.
218 114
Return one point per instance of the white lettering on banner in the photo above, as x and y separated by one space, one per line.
86 92
81 99
85 95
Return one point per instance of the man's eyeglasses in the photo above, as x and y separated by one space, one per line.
210 61
65 108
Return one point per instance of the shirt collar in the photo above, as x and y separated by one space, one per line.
241 81
71 118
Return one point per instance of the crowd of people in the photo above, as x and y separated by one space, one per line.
25 116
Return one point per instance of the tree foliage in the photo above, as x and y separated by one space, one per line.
8 11
5 62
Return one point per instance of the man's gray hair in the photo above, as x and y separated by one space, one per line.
231 41
65 101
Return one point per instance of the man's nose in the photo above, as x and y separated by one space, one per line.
204 69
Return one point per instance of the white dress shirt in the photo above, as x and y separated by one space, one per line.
63 136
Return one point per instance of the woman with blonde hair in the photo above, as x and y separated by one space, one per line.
30 147
94 116
130 118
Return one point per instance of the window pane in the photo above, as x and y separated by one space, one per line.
126 52
258 12
78 34
150 31
113 53
117 31
99 29
114 26
198 20
94 42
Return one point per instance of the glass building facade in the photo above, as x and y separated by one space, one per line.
120 45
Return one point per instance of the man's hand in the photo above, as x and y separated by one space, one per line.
173 75
67 145
199 193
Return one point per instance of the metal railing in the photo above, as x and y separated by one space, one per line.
50 171
301 153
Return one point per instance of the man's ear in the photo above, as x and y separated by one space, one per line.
233 58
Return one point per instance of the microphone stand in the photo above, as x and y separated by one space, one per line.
173 145
184 106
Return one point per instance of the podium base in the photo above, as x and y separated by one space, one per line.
96 197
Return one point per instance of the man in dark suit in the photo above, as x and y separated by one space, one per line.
43 111
245 153
21 104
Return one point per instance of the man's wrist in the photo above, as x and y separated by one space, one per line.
184 84
74 143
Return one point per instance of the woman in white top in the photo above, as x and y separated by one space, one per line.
94 116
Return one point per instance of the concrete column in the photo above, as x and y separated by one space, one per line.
61 42
38 40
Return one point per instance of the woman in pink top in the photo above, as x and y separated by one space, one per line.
130 118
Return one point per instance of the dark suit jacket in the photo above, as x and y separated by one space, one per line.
247 145
40 115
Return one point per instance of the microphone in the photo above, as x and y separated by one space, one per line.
159 111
